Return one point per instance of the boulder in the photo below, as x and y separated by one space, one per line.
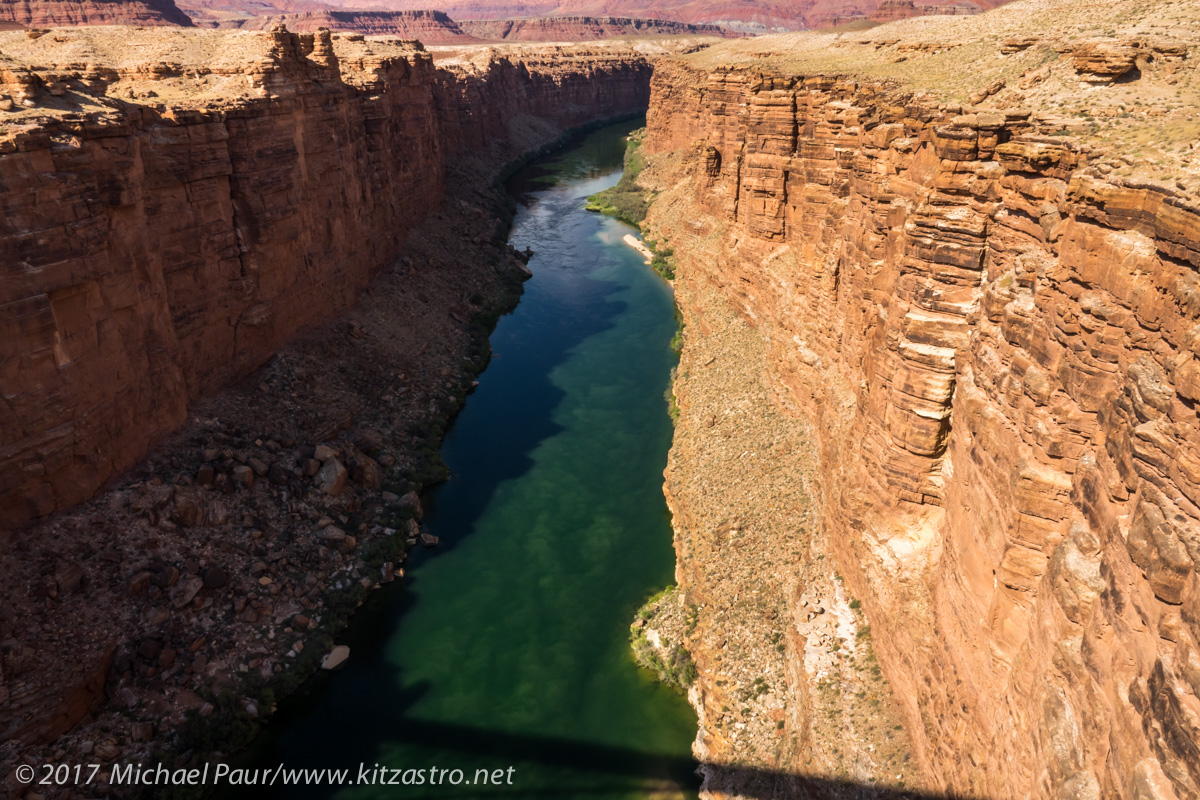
1105 61
1017 44
331 533
412 502
205 475
215 578
69 577
139 583
331 478
183 592
336 657
368 472
369 441
243 476
277 475
189 509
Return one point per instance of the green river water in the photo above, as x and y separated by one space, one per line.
508 645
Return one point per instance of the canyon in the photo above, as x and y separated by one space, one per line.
178 243
574 21
748 16
971 300
432 23
175 215
934 475
428 27
436 28
567 28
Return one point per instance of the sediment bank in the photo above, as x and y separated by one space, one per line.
192 241
980 329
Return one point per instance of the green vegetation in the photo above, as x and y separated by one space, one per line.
676 348
677 341
669 396
626 201
661 262
675 669
670 661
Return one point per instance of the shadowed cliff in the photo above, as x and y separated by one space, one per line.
190 219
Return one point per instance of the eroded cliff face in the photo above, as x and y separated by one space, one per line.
16 14
996 347
429 27
572 29
154 251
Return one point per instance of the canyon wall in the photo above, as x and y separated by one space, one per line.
996 347
748 16
435 28
157 251
429 27
568 29
15 14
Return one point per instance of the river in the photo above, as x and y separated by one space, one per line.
507 646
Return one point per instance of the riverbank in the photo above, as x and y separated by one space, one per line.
788 690
508 645
636 244
227 586
225 582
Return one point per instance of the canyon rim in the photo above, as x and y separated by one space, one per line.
936 464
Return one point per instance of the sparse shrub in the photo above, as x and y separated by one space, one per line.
626 201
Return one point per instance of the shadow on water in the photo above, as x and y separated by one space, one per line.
528 413
606 765
528 417
590 768
509 648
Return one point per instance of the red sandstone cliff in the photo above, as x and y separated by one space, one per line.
428 27
891 10
432 27
996 346
566 29
152 254
748 15
57 13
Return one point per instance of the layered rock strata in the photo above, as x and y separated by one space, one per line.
429 27
569 29
748 16
176 605
995 344
156 251
16 14
890 10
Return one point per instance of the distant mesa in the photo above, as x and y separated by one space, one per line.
435 27
471 21
891 10
549 29
748 16
18 14
430 27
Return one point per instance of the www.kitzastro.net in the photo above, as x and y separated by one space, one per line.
219 774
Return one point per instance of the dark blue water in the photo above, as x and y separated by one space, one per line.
508 647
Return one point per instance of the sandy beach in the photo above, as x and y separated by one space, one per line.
637 244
